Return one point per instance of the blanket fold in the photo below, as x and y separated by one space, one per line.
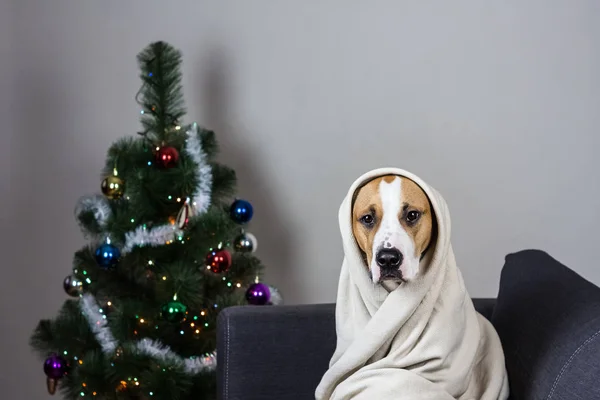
421 340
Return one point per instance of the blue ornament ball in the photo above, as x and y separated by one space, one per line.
107 255
241 211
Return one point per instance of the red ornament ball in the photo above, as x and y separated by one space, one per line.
218 261
167 157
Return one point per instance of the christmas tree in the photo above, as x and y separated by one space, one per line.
167 251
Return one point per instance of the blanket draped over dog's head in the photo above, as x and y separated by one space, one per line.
420 340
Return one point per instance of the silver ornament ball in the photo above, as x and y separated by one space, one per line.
245 243
73 286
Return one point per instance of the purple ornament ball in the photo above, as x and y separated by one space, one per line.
258 294
55 367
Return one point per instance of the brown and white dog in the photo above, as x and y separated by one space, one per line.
393 226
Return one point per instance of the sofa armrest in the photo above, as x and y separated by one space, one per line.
485 306
273 352
548 319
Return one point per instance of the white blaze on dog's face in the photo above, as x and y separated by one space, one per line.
393 225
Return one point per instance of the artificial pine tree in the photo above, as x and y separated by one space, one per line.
167 252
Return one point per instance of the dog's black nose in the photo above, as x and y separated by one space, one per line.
389 258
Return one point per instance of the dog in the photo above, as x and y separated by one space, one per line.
405 326
393 226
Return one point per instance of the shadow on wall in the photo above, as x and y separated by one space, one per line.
269 224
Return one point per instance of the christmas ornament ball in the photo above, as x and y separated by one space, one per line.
174 311
73 286
241 211
167 157
113 187
183 217
107 255
245 242
55 367
258 294
218 261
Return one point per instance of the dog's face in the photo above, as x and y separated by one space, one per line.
393 226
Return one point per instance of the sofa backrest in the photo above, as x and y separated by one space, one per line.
548 319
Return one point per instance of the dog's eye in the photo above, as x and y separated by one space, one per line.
367 220
412 216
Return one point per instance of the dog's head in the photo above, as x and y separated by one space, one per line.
393 225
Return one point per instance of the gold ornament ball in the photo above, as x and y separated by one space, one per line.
121 387
113 187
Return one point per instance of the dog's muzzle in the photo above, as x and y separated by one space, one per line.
389 261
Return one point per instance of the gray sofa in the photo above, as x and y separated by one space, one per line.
547 316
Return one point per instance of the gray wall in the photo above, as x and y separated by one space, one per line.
494 103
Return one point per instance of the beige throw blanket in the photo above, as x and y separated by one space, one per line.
422 340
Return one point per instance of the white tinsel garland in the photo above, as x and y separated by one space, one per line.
276 298
193 146
156 236
159 351
97 321
98 205
160 235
